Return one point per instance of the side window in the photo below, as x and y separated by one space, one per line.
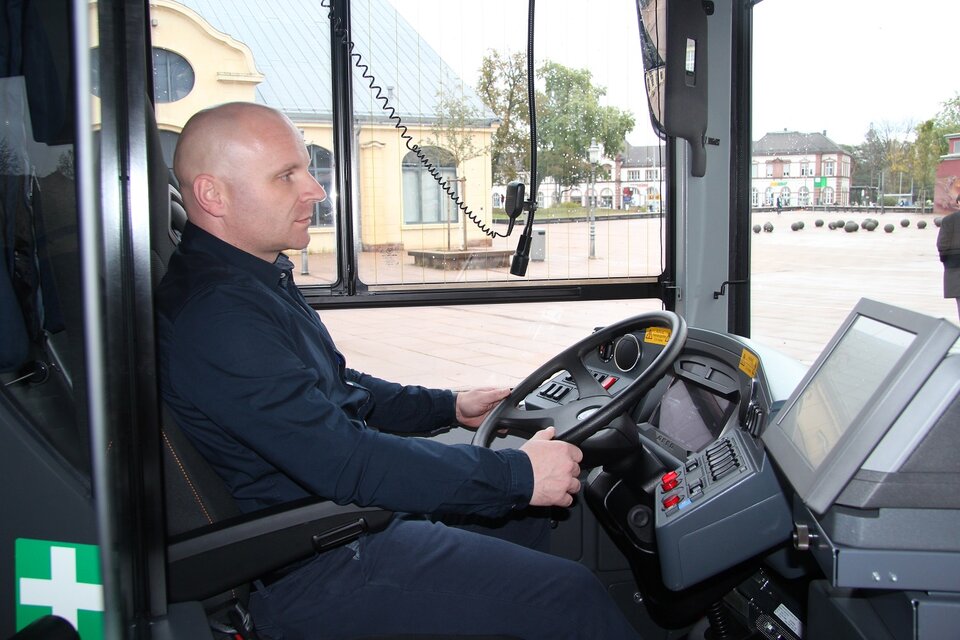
866 160
203 57
41 340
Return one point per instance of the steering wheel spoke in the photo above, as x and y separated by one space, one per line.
587 385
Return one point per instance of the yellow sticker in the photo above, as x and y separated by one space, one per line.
657 335
748 363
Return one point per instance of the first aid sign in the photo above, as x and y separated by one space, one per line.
59 578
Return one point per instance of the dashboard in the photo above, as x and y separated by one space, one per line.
746 457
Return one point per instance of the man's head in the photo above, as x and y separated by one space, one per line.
243 170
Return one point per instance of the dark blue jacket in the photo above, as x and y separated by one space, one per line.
254 379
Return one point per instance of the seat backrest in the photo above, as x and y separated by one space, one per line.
195 495
167 214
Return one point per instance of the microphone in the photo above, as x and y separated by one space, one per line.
518 265
513 205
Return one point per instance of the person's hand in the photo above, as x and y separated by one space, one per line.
474 405
556 469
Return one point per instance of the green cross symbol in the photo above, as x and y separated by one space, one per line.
59 578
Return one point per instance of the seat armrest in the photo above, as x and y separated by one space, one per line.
214 559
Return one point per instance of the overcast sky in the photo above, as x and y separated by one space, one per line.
834 65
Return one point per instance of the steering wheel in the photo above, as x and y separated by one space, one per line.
595 407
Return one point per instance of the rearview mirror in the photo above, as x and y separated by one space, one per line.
673 34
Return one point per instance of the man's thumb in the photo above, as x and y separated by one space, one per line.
545 434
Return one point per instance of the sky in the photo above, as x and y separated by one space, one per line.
819 65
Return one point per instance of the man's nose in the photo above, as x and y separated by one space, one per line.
315 191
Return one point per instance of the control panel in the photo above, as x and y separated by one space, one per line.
705 473
562 389
720 507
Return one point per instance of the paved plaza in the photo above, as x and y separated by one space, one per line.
803 284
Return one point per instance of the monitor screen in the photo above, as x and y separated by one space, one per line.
852 395
865 355
690 415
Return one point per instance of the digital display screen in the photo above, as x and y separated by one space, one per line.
864 356
691 415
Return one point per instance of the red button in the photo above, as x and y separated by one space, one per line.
668 476
609 382
672 501
669 484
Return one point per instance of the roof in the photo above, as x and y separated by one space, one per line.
794 143
642 156
290 45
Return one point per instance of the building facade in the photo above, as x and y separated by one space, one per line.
800 170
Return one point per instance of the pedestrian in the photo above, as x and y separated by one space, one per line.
948 244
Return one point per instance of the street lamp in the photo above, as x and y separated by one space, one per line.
594 157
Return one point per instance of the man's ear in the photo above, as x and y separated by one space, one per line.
209 193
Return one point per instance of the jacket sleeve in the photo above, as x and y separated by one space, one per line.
241 368
406 408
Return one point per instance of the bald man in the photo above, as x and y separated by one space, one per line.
254 379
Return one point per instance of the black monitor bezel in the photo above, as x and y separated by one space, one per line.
819 486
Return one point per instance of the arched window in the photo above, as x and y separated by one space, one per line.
768 197
606 198
321 168
755 197
424 201
785 197
803 197
498 201
173 77
826 195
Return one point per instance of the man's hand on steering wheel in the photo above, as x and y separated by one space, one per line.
556 469
474 405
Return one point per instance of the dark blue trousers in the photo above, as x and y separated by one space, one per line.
422 577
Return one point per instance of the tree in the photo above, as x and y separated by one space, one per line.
884 150
948 119
570 117
455 128
503 89
924 157
454 136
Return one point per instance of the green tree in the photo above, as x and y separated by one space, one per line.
923 159
948 119
569 118
503 89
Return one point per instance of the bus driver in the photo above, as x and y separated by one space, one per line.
254 379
